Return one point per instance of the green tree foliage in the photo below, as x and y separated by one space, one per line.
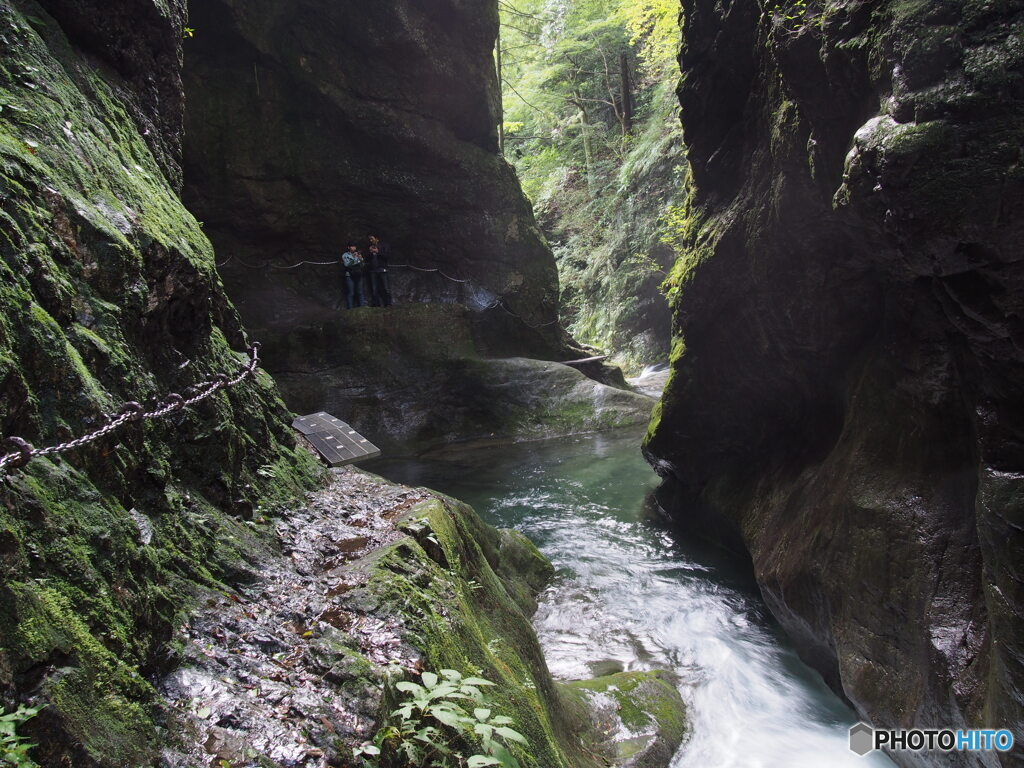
591 125
654 26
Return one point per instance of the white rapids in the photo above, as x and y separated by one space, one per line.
630 594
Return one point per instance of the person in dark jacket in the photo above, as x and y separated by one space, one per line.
377 269
354 265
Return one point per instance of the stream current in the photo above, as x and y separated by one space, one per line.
632 594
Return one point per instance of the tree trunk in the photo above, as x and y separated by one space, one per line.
588 157
501 100
613 100
627 93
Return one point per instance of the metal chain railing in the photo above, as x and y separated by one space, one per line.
23 451
267 265
499 303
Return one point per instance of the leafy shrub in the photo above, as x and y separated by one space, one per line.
14 748
433 725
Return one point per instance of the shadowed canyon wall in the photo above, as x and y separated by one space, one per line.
847 392
109 293
313 124
310 126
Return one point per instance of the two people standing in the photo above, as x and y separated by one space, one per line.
373 268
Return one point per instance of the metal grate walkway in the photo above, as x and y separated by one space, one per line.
335 440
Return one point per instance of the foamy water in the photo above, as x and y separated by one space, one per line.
631 595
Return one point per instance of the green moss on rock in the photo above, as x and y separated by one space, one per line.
641 715
108 294
454 585
522 568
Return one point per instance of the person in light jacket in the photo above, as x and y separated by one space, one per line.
353 265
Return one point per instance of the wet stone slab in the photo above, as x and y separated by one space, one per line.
284 670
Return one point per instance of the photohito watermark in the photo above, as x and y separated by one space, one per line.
865 739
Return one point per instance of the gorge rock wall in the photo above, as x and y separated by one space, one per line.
420 376
108 294
312 124
115 556
845 401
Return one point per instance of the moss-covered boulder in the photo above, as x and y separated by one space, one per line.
528 571
639 716
454 585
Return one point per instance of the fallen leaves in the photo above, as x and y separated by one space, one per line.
263 667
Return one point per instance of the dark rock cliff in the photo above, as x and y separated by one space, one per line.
313 124
418 376
846 392
108 293
137 41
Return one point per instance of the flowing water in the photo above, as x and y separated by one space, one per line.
631 594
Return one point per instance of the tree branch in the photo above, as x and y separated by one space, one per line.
512 9
538 110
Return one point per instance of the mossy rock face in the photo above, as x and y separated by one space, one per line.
454 585
848 357
641 716
108 294
525 571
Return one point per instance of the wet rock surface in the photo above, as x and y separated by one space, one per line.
845 398
312 124
286 670
420 375
371 582
640 715
651 381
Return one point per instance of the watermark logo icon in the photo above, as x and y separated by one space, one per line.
865 739
862 739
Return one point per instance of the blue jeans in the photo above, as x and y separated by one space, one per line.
353 290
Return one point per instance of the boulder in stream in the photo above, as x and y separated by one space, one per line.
640 715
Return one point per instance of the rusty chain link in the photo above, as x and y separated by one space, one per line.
23 452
